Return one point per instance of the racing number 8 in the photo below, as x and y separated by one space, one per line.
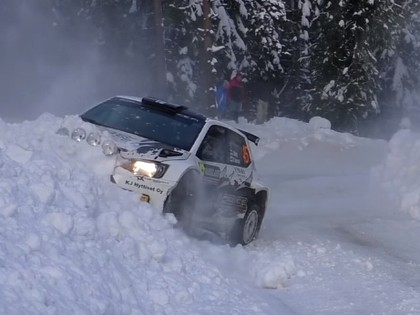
245 154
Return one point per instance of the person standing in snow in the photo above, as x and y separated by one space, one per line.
222 98
262 92
236 96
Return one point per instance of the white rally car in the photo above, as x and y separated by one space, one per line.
181 162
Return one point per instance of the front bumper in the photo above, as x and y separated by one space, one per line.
156 189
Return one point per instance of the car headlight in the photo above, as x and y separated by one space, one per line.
94 139
78 134
146 168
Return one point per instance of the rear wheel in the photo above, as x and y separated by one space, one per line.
246 230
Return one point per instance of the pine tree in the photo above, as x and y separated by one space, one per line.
400 61
302 67
344 70
206 45
183 38
245 37
409 57
268 52
230 49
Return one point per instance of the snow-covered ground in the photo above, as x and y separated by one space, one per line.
341 235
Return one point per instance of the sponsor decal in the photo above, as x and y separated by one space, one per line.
240 171
201 167
189 117
121 136
209 170
234 202
142 178
234 157
151 147
143 186
212 171
159 181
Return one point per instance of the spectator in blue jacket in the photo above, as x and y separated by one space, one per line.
222 98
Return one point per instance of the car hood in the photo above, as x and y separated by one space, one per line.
136 147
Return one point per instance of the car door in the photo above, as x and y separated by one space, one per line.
225 163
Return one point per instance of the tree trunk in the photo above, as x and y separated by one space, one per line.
206 74
160 88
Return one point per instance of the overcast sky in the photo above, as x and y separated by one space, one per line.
43 69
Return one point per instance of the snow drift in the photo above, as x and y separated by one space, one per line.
399 174
73 243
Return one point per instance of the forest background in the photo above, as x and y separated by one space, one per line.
354 62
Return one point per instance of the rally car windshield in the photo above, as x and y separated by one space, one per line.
174 129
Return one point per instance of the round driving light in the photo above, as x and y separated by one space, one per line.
94 139
78 134
109 147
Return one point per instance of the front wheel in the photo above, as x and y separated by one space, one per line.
183 199
246 230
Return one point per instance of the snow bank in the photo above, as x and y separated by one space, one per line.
399 175
294 147
73 243
268 267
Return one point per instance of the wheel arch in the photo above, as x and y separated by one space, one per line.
181 177
261 198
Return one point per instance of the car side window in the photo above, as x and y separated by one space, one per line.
239 154
214 145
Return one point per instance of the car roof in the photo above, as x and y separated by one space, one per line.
174 108
163 105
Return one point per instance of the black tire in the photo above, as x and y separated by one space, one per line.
246 230
183 199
